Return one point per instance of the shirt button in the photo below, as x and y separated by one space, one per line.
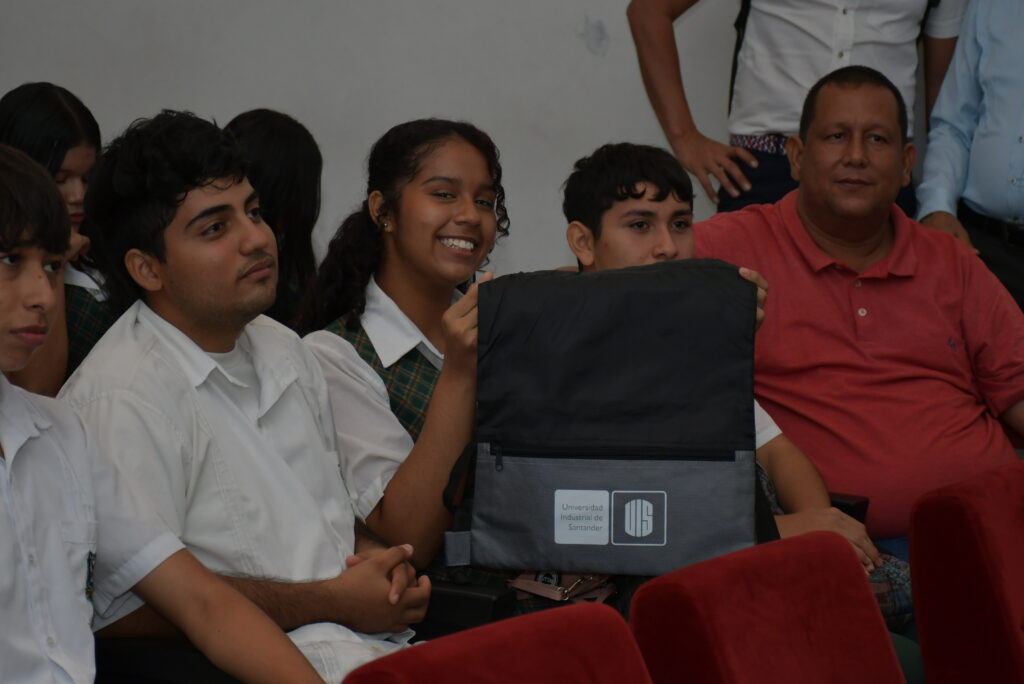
840 54
862 312
1013 181
1020 139
50 642
856 283
845 10
31 559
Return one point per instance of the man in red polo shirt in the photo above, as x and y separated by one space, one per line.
889 353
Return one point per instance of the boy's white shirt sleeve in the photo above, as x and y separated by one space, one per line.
371 442
129 441
944 19
765 429
131 541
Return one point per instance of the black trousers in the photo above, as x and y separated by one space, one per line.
143 661
1001 247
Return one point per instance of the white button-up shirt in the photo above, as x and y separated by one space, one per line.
372 440
790 44
73 540
260 496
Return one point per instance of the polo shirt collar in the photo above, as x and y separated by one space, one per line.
391 332
901 261
20 421
274 368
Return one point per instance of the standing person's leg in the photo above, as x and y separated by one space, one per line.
1001 246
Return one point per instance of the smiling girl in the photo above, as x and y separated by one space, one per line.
399 345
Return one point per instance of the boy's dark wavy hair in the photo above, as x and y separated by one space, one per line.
619 171
355 251
32 212
138 184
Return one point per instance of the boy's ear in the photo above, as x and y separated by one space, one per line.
582 243
145 270
375 202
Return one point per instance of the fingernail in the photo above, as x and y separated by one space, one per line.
407 547
754 164
746 187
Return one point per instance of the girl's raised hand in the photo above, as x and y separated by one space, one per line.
460 328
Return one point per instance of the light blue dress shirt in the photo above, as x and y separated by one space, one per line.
976 144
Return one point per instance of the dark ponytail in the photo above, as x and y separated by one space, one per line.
354 254
339 286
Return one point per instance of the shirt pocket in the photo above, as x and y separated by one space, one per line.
80 538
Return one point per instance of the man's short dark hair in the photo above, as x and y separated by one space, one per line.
138 184
32 212
852 76
620 171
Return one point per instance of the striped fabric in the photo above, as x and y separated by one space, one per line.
769 143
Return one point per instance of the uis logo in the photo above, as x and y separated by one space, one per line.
639 518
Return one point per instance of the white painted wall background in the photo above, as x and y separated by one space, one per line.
550 80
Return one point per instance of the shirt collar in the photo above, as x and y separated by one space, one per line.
194 362
20 421
79 278
275 369
391 332
901 261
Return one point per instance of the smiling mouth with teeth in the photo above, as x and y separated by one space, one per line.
458 243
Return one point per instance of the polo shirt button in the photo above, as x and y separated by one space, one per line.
862 312
845 10
840 54
856 283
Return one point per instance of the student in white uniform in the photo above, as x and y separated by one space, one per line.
399 356
220 415
73 539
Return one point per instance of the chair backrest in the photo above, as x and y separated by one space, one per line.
795 610
967 567
585 643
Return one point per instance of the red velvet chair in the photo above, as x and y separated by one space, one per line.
585 643
967 566
794 610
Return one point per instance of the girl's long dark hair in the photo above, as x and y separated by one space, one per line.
354 253
285 165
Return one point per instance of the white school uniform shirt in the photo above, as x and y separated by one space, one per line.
252 488
372 440
73 540
790 44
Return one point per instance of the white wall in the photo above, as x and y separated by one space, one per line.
550 80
